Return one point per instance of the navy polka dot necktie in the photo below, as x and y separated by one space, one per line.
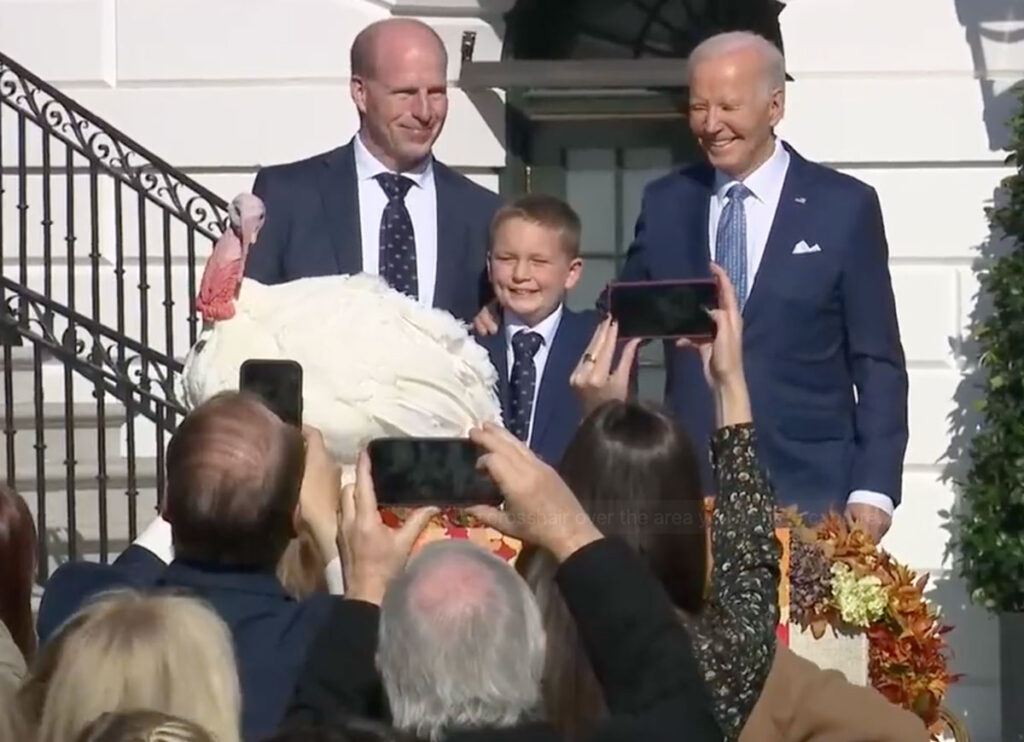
397 239
523 382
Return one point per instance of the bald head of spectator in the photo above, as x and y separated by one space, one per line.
442 667
234 470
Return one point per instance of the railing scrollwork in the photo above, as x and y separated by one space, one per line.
111 150
99 246
139 377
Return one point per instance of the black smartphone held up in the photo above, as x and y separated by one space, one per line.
430 471
664 309
278 383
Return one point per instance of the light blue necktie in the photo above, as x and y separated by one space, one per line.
731 240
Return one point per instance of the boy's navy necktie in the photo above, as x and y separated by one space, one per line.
523 382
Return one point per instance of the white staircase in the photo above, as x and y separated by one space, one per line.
97 482
99 243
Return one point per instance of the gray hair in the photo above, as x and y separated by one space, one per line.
719 45
461 643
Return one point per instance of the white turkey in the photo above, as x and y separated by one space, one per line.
375 362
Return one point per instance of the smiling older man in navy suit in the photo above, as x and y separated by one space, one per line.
381 203
806 249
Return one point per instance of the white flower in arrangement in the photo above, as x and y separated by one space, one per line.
375 362
860 600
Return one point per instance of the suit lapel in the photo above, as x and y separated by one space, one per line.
554 384
340 194
790 218
692 255
497 350
450 237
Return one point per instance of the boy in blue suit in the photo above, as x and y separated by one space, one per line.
533 261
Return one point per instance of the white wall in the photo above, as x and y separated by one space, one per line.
223 87
908 96
218 89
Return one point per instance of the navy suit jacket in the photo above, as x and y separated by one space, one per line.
270 629
313 228
558 412
816 326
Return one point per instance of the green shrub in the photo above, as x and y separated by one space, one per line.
991 526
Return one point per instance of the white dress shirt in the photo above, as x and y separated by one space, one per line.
765 185
546 328
421 201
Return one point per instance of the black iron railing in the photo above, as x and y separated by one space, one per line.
98 253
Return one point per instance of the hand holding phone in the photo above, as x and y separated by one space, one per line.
373 552
278 383
664 309
413 472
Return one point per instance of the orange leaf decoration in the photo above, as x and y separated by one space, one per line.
907 654
390 518
456 532
505 551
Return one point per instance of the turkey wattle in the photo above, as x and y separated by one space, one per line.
375 362
222 274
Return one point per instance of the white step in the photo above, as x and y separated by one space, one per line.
22 376
52 419
87 510
53 378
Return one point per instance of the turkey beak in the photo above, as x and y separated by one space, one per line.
250 231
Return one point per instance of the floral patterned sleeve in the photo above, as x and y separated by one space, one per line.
735 634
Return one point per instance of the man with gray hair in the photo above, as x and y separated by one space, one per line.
442 665
805 248
458 637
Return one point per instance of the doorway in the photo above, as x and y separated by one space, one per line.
600 165
595 110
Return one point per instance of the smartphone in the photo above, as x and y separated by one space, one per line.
278 383
664 309
429 471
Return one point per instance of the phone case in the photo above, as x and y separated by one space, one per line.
293 365
491 497
665 282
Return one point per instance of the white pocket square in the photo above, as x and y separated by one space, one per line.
802 248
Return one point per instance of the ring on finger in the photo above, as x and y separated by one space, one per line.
588 358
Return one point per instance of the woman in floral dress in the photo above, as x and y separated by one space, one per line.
636 472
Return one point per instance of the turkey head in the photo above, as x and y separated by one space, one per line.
222 275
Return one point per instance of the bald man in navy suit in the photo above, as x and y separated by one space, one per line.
382 203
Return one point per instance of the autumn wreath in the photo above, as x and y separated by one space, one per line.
839 579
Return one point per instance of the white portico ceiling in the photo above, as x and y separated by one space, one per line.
486 9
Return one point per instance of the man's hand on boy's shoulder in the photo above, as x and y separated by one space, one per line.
486 323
